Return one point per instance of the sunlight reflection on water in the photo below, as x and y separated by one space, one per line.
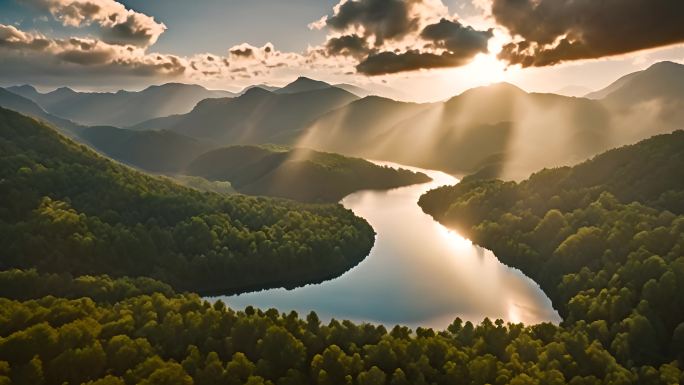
418 273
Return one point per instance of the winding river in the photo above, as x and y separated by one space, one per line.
418 273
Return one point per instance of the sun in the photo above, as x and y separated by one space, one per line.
486 69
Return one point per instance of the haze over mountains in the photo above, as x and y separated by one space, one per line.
257 116
301 174
122 108
503 130
498 130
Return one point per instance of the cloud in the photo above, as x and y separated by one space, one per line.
390 62
391 36
379 19
85 52
242 51
11 37
549 32
27 52
347 45
35 58
456 38
117 24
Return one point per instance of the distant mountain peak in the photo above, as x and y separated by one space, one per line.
303 84
177 85
664 73
63 90
24 87
666 64
256 91
502 88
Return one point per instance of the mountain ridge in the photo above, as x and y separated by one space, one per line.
121 108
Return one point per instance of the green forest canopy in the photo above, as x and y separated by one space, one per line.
66 209
604 239
129 333
297 173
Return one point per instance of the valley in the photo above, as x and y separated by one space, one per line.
353 192
411 274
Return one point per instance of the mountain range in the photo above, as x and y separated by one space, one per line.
299 174
257 116
501 130
121 108
495 131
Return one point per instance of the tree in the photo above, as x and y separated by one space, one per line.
374 376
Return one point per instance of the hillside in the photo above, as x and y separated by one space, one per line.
302 84
661 80
502 130
300 174
67 210
155 151
256 117
121 108
466 133
12 101
604 240
354 89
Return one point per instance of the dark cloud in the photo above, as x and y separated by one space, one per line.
372 30
86 57
242 52
457 38
381 19
553 31
451 44
391 62
130 31
347 45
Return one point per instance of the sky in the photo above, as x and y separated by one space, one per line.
420 50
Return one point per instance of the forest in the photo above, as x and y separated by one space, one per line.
608 255
131 332
604 240
297 173
67 209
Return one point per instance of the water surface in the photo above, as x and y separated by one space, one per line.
417 274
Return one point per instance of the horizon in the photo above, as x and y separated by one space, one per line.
585 92
436 49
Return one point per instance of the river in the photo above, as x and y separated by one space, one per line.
418 273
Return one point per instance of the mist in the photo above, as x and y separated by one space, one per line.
496 131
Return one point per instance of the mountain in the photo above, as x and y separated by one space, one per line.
15 102
303 84
122 108
299 173
573 90
658 72
155 151
65 209
356 90
502 131
262 86
499 127
662 81
258 116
